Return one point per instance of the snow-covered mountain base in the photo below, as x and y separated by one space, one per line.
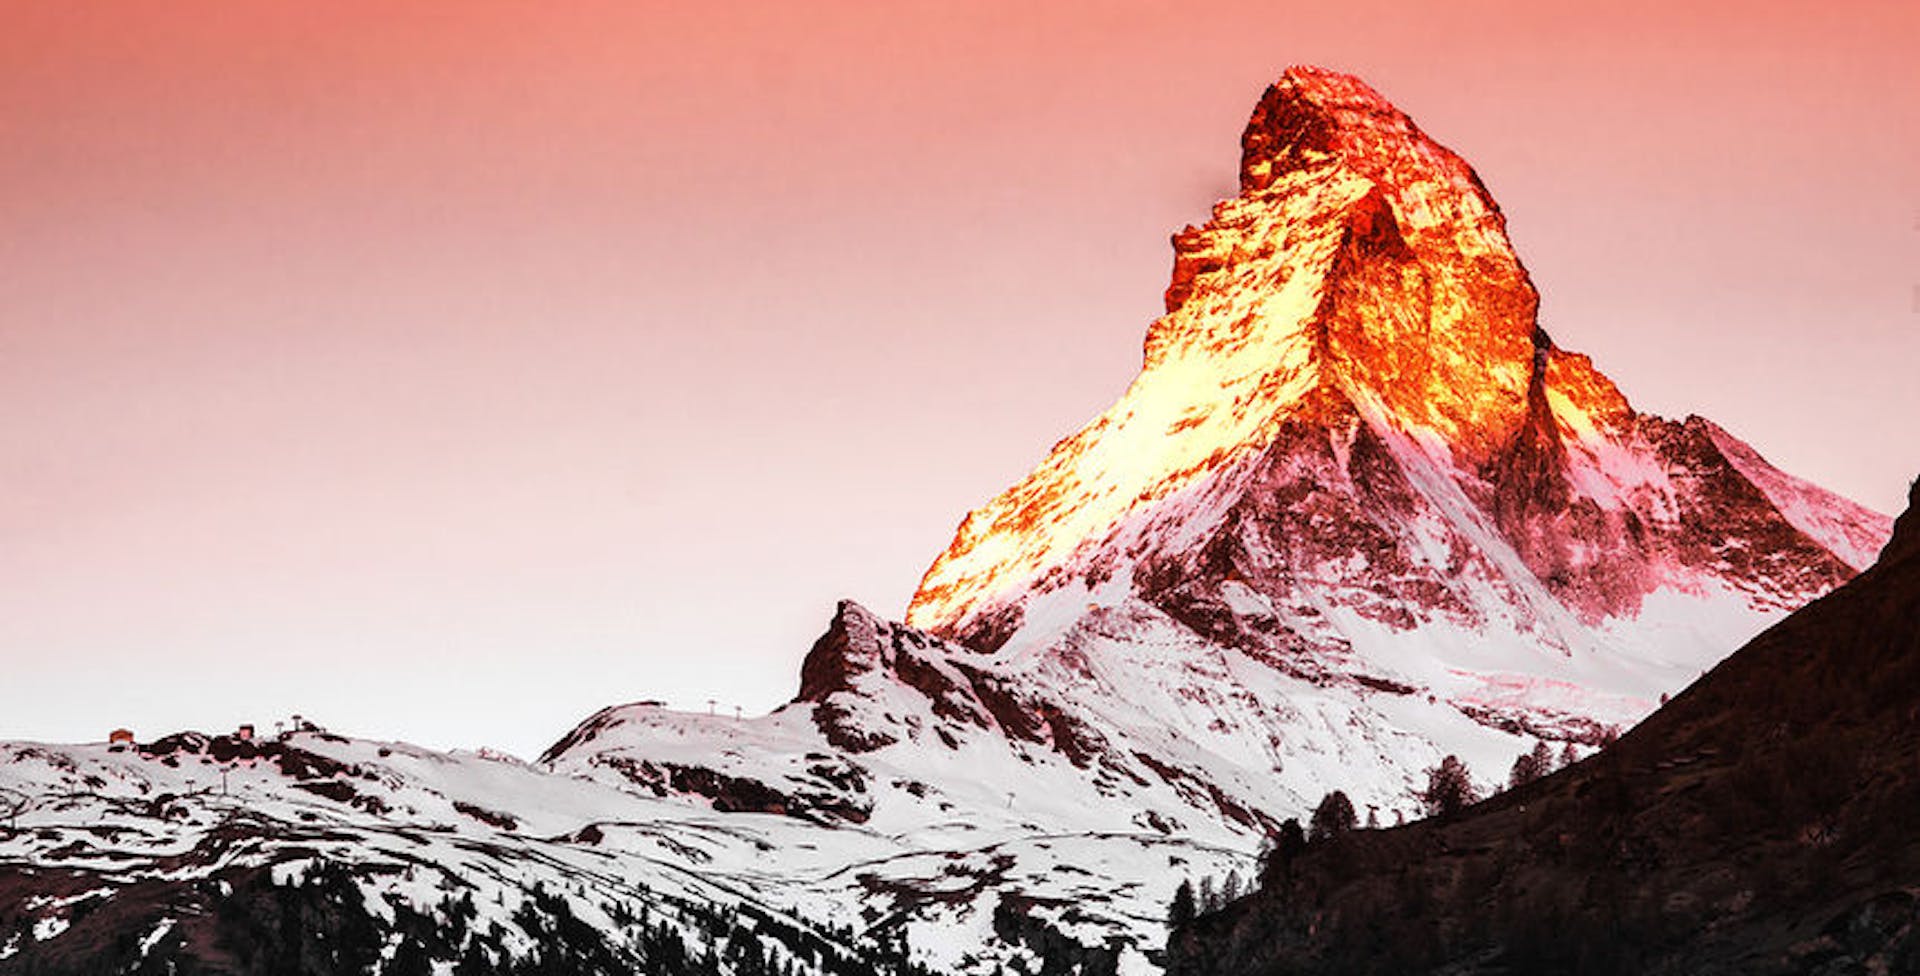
127 860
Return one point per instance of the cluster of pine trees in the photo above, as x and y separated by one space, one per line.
1190 902
1450 784
1449 788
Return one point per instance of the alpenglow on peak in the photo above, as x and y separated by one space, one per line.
1363 278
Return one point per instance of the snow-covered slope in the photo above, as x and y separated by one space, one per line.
128 855
116 842
1357 512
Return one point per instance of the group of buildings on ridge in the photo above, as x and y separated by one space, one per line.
120 740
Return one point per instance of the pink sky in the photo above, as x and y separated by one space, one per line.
445 371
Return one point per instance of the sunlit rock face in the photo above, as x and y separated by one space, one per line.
1351 402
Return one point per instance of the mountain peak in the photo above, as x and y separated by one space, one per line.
1374 254
1362 270
1311 114
1359 302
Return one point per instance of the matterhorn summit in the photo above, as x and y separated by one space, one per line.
1350 405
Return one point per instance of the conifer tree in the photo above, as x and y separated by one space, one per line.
1449 788
1184 908
1531 766
1333 817
1280 850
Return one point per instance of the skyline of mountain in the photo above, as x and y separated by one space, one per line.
461 348
1357 512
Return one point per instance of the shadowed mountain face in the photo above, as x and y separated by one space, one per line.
1763 822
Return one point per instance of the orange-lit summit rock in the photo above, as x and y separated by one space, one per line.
1359 311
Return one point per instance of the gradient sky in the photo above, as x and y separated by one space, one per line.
445 371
